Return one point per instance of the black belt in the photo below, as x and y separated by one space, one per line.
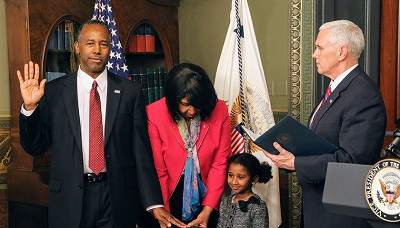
93 178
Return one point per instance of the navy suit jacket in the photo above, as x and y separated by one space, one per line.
354 119
55 124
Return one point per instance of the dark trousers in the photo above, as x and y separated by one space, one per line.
175 202
96 210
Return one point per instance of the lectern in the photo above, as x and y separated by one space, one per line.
344 193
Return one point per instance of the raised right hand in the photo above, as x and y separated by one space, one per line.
31 90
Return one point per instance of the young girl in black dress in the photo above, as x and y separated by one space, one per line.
243 208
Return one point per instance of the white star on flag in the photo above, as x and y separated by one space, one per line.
103 12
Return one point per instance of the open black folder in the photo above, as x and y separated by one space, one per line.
294 137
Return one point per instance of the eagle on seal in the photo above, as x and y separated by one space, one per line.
391 191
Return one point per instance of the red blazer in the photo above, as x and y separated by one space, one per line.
213 148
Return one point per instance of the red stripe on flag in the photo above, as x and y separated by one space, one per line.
237 142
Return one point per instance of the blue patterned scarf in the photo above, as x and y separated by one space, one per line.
193 189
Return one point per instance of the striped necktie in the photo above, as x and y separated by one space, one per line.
327 94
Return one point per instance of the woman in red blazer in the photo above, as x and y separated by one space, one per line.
190 136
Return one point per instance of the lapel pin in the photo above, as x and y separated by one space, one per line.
330 101
117 91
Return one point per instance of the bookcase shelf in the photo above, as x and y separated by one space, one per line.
146 61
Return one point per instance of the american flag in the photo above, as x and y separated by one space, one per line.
237 139
116 61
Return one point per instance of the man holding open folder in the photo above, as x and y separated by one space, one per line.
351 115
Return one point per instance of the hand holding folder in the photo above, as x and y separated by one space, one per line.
292 136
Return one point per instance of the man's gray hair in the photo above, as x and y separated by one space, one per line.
344 32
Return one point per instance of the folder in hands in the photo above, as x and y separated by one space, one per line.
294 137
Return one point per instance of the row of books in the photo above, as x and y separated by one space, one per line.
152 80
143 39
64 36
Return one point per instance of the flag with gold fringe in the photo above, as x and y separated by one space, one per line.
116 61
240 81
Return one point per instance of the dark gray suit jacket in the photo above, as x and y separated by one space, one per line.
354 119
131 173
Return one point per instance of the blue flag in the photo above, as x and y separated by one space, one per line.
116 62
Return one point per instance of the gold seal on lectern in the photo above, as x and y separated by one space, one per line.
382 189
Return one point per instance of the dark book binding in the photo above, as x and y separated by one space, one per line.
133 42
162 73
156 83
143 81
141 38
150 85
61 36
53 43
149 33
134 74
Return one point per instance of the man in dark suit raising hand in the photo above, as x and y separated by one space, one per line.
85 192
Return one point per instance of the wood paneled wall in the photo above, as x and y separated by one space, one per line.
389 76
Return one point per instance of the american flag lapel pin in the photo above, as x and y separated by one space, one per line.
117 91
